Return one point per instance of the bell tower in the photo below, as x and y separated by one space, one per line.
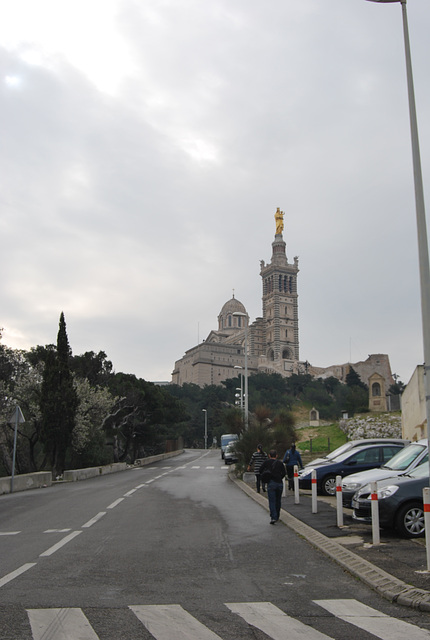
280 305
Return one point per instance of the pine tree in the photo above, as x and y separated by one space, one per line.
59 402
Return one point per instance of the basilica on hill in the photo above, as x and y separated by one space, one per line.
272 340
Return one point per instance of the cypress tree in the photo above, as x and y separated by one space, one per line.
59 402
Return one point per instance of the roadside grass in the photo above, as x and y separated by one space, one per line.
322 439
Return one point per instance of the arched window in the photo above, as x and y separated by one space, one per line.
376 389
229 321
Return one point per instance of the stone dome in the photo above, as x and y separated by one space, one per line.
226 320
231 306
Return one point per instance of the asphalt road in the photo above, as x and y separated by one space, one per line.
174 551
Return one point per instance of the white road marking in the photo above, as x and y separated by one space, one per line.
274 622
57 530
130 493
114 504
373 621
60 624
60 544
195 467
166 467
165 622
94 520
210 467
16 573
9 533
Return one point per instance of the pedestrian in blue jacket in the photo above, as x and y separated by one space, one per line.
292 458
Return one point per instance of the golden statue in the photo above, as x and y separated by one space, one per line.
279 217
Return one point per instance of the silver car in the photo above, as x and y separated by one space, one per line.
401 463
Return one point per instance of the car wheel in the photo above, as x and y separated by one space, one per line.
328 486
410 520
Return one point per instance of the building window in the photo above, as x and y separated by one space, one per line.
376 389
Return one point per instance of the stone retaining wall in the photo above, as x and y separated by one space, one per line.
25 481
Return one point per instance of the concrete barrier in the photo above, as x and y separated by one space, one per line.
74 475
39 479
141 462
25 481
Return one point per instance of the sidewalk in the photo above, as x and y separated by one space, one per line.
396 568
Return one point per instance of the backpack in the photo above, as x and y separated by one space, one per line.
266 476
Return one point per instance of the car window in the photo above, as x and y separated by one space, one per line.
405 457
422 471
337 452
366 456
388 453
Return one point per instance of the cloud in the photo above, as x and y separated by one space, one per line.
145 148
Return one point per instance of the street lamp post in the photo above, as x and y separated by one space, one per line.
240 389
240 314
423 253
206 427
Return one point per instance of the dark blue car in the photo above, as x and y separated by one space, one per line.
359 459
400 503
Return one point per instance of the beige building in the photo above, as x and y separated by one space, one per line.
272 340
414 420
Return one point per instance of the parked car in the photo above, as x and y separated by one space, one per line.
352 444
400 503
357 459
226 438
403 462
230 454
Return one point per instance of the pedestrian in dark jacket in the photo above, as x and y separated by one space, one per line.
275 485
292 458
257 459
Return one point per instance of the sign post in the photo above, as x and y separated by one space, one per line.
17 418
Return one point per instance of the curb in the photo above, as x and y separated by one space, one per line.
384 583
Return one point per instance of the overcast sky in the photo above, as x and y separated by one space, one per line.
145 146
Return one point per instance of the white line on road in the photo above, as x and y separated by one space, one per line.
195 467
57 530
16 573
60 624
130 493
274 622
114 504
373 621
9 533
94 520
60 544
167 621
210 467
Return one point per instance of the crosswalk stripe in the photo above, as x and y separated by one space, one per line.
60 624
274 622
373 621
167 621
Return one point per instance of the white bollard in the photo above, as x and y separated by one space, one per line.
339 507
314 491
426 501
375 513
296 485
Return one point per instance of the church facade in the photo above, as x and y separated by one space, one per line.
272 341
